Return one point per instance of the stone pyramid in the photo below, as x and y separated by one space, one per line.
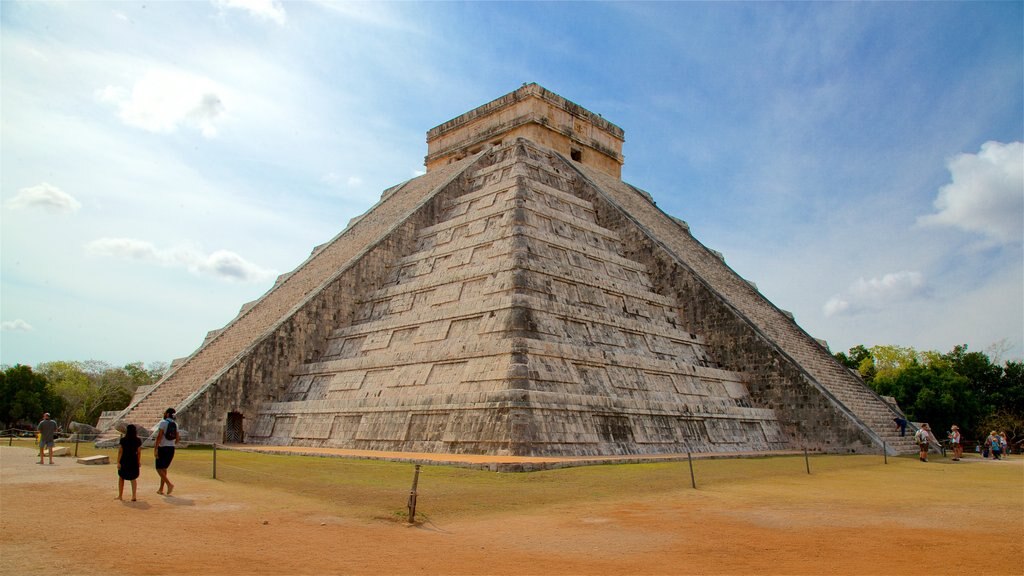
518 299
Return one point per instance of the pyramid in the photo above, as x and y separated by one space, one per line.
519 299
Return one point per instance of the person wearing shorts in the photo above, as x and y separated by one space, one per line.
164 451
47 430
955 440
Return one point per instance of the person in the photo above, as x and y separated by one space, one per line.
47 429
129 456
954 441
1003 445
164 449
992 443
901 424
923 438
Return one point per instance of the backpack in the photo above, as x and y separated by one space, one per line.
172 430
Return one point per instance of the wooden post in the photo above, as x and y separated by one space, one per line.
693 481
76 444
807 461
214 460
885 452
412 495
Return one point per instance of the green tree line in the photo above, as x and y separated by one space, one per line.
965 388
69 391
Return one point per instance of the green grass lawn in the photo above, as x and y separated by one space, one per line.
379 489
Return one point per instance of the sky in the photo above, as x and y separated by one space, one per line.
162 162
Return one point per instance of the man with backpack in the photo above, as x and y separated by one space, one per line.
923 437
166 440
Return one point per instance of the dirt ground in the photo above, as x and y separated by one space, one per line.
903 518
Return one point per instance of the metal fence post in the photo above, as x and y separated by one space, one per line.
214 460
807 461
693 481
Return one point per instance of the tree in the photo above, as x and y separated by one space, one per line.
72 384
933 393
24 396
1011 388
91 387
985 376
1004 421
857 355
887 360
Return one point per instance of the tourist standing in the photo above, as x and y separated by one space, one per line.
923 437
992 442
47 430
1003 445
129 455
166 440
954 440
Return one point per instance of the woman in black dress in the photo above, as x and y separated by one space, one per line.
129 453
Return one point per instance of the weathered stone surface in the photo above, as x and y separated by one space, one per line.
517 301
538 115
97 459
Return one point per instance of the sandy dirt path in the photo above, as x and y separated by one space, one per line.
63 519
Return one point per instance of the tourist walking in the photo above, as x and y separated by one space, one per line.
955 442
923 437
129 456
166 440
47 431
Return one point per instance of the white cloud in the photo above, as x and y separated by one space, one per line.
17 325
221 263
986 194
876 293
263 9
335 179
163 100
45 196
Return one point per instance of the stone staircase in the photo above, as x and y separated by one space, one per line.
224 347
773 324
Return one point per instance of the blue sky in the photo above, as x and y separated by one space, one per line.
162 162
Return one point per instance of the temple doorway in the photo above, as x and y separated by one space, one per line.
233 432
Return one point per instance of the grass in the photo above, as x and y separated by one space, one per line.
379 489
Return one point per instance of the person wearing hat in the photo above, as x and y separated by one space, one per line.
47 429
954 441
166 440
993 444
923 437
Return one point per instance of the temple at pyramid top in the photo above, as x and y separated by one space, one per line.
536 114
